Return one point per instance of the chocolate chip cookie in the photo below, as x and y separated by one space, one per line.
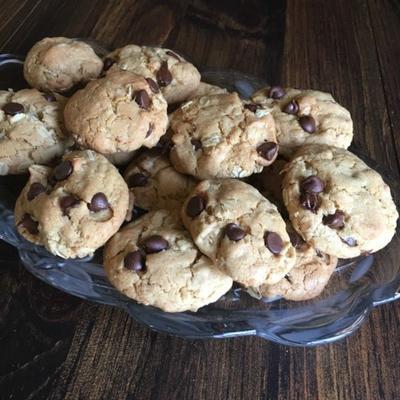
238 228
306 117
155 183
125 115
221 136
59 63
154 261
31 129
308 277
74 208
337 203
166 71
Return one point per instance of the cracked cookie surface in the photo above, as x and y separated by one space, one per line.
221 136
154 261
31 129
155 183
58 63
74 208
337 203
125 116
308 277
233 224
171 73
306 117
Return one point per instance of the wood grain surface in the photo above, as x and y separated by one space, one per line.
55 346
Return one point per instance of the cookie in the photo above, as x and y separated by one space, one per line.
221 136
74 208
337 203
240 230
155 183
58 63
306 117
308 277
31 129
167 71
154 261
206 89
125 116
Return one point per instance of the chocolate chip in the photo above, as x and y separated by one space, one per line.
296 240
289 279
68 202
29 224
13 108
99 202
307 123
349 241
310 201
234 232
50 97
196 144
252 107
291 108
63 170
155 244
318 253
108 63
164 77
137 180
143 99
273 242
153 85
135 261
334 221
195 206
276 92
312 184
150 130
268 150
34 191
172 54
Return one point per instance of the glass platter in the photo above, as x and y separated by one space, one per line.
354 289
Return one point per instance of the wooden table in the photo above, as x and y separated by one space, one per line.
54 346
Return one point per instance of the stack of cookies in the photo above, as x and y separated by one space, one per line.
261 192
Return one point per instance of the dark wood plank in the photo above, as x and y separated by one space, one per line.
331 47
55 346
385 19
13 17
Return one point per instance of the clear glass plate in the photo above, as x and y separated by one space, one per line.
354 289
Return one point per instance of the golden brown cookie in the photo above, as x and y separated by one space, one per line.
337 203
74 208
221 136
126 115
238 228
154 261
59 63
